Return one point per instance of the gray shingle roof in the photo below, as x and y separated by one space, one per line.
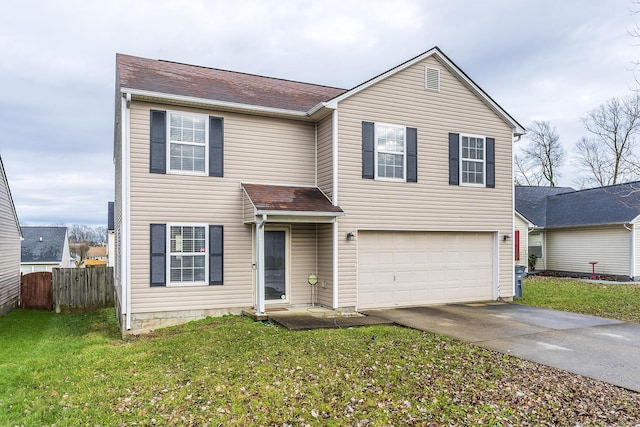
549 208
531 202
43 244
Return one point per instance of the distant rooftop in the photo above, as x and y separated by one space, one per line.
551 207
43 244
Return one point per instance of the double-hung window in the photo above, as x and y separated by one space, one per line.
390 151
188 254
472 156
188 148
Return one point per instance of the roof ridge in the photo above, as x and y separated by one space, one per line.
598 188
245 74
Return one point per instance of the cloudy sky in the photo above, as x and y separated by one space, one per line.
539 59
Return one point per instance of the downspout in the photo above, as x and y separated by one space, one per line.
260 222
632 252
334 150
125 239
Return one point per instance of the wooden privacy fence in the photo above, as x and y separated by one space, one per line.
83 288
36 290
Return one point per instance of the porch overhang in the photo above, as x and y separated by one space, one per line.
287 204
263 203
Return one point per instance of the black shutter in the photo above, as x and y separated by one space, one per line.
158 248
454 159
491 163
216 254
158 136
412 155
216 146
368 151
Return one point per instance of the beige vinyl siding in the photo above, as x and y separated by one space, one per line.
325 157
325 264
431 204
572 249
303 262
523 227
9 249
118 204
248 210
256 149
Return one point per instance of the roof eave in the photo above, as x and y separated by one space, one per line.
145 95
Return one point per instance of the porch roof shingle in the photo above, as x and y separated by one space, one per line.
174 78
289 199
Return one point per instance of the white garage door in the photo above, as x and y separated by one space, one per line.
413 268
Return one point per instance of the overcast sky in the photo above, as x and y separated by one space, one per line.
540 60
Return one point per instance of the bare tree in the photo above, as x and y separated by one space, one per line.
525 173
609 157
543 154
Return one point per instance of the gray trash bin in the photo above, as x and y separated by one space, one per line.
518 281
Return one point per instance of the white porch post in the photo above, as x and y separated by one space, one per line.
260 221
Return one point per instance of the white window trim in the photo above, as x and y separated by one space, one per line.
404 154
484 161
206 144
168 254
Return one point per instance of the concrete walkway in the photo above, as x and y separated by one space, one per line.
603 349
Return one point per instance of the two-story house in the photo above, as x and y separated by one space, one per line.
233 189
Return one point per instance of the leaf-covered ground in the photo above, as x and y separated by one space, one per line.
72 369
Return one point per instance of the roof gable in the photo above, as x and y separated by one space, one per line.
43 244
517 128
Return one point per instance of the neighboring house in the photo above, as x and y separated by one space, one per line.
10 236
96 256
569 229
44 248
111 237
232 189
97 253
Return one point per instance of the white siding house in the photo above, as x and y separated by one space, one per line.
9 247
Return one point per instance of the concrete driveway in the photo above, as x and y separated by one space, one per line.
604 349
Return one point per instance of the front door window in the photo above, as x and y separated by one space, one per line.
274 267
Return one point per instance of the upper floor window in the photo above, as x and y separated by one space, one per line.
188 148
186 143
472 156
472 160
390 151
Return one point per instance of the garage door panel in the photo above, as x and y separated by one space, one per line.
413 268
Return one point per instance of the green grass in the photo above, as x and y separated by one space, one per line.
73 370
614 300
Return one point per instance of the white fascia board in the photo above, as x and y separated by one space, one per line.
217 104
529 223
516 128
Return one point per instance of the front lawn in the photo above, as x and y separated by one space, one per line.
72 370
615 300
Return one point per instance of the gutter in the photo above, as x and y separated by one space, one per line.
219 104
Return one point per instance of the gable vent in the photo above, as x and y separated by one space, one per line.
432 79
